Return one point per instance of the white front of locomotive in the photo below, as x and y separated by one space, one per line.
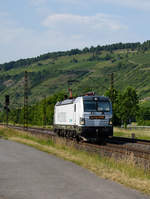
97 112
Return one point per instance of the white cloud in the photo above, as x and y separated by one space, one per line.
60 32
75 31
79 23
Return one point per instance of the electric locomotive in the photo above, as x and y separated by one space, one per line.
85 118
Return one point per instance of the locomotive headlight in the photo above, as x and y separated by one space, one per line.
110 121
95 98
82 121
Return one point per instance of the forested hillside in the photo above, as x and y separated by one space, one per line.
89 69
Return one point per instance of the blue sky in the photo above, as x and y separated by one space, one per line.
29 28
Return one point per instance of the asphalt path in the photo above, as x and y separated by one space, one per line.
26 173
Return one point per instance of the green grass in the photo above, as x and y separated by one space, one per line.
139 134
123 171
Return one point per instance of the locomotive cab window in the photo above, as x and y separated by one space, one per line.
96 106
90 106
103 106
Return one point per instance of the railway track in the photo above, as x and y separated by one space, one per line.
116 146
116 139
113 140
34 130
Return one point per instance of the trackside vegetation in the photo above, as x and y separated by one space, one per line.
123 171
125 108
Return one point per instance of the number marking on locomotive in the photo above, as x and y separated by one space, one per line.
93 117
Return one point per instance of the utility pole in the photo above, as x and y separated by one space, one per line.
44 112
112 93
26 100
6 107
112 81
18 113
112 87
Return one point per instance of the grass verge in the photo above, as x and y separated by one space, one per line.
139 134
122 171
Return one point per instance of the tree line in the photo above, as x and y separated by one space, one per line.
125 109
54 55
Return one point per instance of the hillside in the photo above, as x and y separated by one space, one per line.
90 69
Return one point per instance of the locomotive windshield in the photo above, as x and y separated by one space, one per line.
96 106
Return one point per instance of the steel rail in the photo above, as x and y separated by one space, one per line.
129 140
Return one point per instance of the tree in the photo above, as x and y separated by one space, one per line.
125 105
129 105
113 95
